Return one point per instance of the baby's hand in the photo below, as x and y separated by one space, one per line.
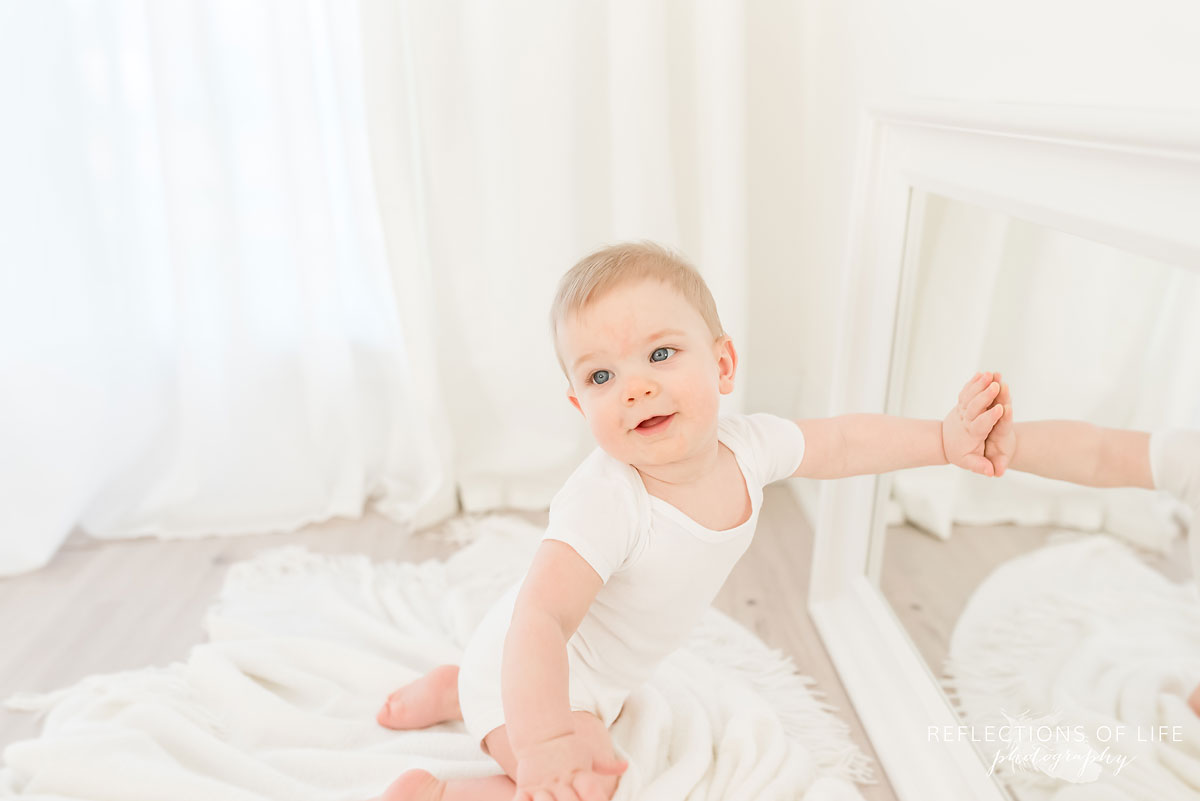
966 428
565 769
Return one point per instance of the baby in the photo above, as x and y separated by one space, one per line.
644 532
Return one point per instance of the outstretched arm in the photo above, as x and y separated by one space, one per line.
860 444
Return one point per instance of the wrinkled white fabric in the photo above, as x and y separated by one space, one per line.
1081 633
281 702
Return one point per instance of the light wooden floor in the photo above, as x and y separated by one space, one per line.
101 607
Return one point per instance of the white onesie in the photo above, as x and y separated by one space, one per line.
661 571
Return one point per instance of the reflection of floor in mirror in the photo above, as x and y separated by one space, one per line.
101 607
928 581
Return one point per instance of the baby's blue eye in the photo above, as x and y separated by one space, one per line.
599 377
665 355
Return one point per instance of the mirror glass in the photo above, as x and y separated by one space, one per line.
1062 621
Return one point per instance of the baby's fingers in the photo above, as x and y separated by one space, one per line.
558 792
972 387
610 767
981 425
982 400
564 792
978 464
1005 397
540 794
591 788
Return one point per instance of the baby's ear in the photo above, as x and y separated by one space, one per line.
727 360
574 400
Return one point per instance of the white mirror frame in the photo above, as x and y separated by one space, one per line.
1130 179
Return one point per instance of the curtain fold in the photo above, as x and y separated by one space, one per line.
208 344
266 263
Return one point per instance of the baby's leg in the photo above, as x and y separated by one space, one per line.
431 699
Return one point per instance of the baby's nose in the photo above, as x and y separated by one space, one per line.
640 389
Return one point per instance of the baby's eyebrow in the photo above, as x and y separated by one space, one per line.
649 339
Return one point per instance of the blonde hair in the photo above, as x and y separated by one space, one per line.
603 271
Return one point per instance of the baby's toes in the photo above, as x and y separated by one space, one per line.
412 707
391 713
414 785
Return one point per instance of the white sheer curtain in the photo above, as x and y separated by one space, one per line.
545 130
266 263
1078 329
198 319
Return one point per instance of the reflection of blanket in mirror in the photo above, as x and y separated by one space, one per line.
1085 654
281 703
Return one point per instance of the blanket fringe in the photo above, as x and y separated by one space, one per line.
466 578
806 718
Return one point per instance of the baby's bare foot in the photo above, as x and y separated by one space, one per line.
431 699
414 785
1194 700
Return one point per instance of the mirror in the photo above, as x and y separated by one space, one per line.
1062 621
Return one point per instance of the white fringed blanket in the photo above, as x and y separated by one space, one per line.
281 702
1084 638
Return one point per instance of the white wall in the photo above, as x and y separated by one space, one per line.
815 65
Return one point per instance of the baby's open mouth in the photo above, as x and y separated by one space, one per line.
654 423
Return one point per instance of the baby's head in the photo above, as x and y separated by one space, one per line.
637 335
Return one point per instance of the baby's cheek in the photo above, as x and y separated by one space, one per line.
605 427
703 401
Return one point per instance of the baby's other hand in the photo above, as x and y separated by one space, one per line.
1001 441
965 429
565 769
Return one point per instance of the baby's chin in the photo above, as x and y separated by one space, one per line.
662 452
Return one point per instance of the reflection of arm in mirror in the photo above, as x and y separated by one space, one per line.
1083 453
1069 450
860 444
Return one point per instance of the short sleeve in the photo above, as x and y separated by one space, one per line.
599 520
774 445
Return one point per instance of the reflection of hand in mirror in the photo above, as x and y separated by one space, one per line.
965 429
1001 441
